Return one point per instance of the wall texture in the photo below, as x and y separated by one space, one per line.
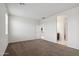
21 29
49 26
3 37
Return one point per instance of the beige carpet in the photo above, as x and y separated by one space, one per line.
39 47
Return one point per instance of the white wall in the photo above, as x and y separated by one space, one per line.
21 29
38 31
73 27
3 37
49 26
73 31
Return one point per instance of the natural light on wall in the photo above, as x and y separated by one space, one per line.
6 24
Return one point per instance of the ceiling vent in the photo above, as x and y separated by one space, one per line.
43 17
22 4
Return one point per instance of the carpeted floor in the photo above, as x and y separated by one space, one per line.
39 47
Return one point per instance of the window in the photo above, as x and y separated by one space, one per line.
6 24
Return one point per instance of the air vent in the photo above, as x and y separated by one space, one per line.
43 17
22 4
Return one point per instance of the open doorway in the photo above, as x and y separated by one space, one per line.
62 29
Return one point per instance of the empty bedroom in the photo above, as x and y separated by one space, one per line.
39 29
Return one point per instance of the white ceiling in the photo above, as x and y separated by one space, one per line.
37 10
